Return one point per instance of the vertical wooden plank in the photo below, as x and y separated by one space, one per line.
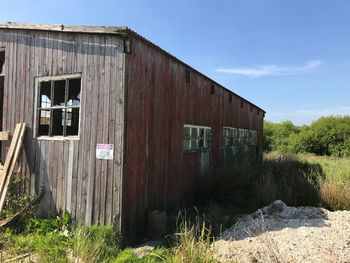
69 173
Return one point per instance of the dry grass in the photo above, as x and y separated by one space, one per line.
193 242
335 196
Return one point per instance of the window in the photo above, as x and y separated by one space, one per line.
230 136
2 61
58 105
243 136
230 141
196 138
253 137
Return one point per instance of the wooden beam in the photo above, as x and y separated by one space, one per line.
10 162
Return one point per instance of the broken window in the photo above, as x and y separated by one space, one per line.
59 106
2 61
197 138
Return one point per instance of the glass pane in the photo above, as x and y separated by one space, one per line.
194 144
187 132
59 92
72 121
201 133
226 142
207 143
57 121
208 133
231 132
187 145
74 92
201 143
45 94
194 132
2 61
44 122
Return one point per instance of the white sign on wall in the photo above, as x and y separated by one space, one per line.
104 151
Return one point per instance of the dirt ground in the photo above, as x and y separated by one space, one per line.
278 233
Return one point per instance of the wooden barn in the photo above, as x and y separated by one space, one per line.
115 126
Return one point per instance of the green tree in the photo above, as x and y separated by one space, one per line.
277 136
326 136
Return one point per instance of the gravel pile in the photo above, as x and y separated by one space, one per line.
279 233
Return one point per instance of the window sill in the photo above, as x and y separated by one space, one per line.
197 150
58 138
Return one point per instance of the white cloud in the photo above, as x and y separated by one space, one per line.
300 117
272 70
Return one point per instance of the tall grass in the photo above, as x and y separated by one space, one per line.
250 185
192 242
330 179
95 243
335 185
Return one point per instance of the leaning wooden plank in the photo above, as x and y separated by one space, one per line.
8 172
9 156
7 221
20 257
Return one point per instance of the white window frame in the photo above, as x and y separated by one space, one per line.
233 138
38 80
206 139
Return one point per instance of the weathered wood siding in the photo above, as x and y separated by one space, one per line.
73 178
158 173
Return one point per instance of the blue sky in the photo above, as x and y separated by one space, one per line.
290 57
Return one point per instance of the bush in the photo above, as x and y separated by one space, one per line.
326 136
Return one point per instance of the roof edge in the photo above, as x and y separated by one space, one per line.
112 30
66 28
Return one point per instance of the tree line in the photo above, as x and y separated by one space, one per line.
325 136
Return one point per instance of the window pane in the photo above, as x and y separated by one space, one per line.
187 145
208 133
72 121
2 61
44 122
74 92
187 132
226 142
207 143
201 133
45 94
57 120
231 132
200 143
194 132
59 92
194 144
